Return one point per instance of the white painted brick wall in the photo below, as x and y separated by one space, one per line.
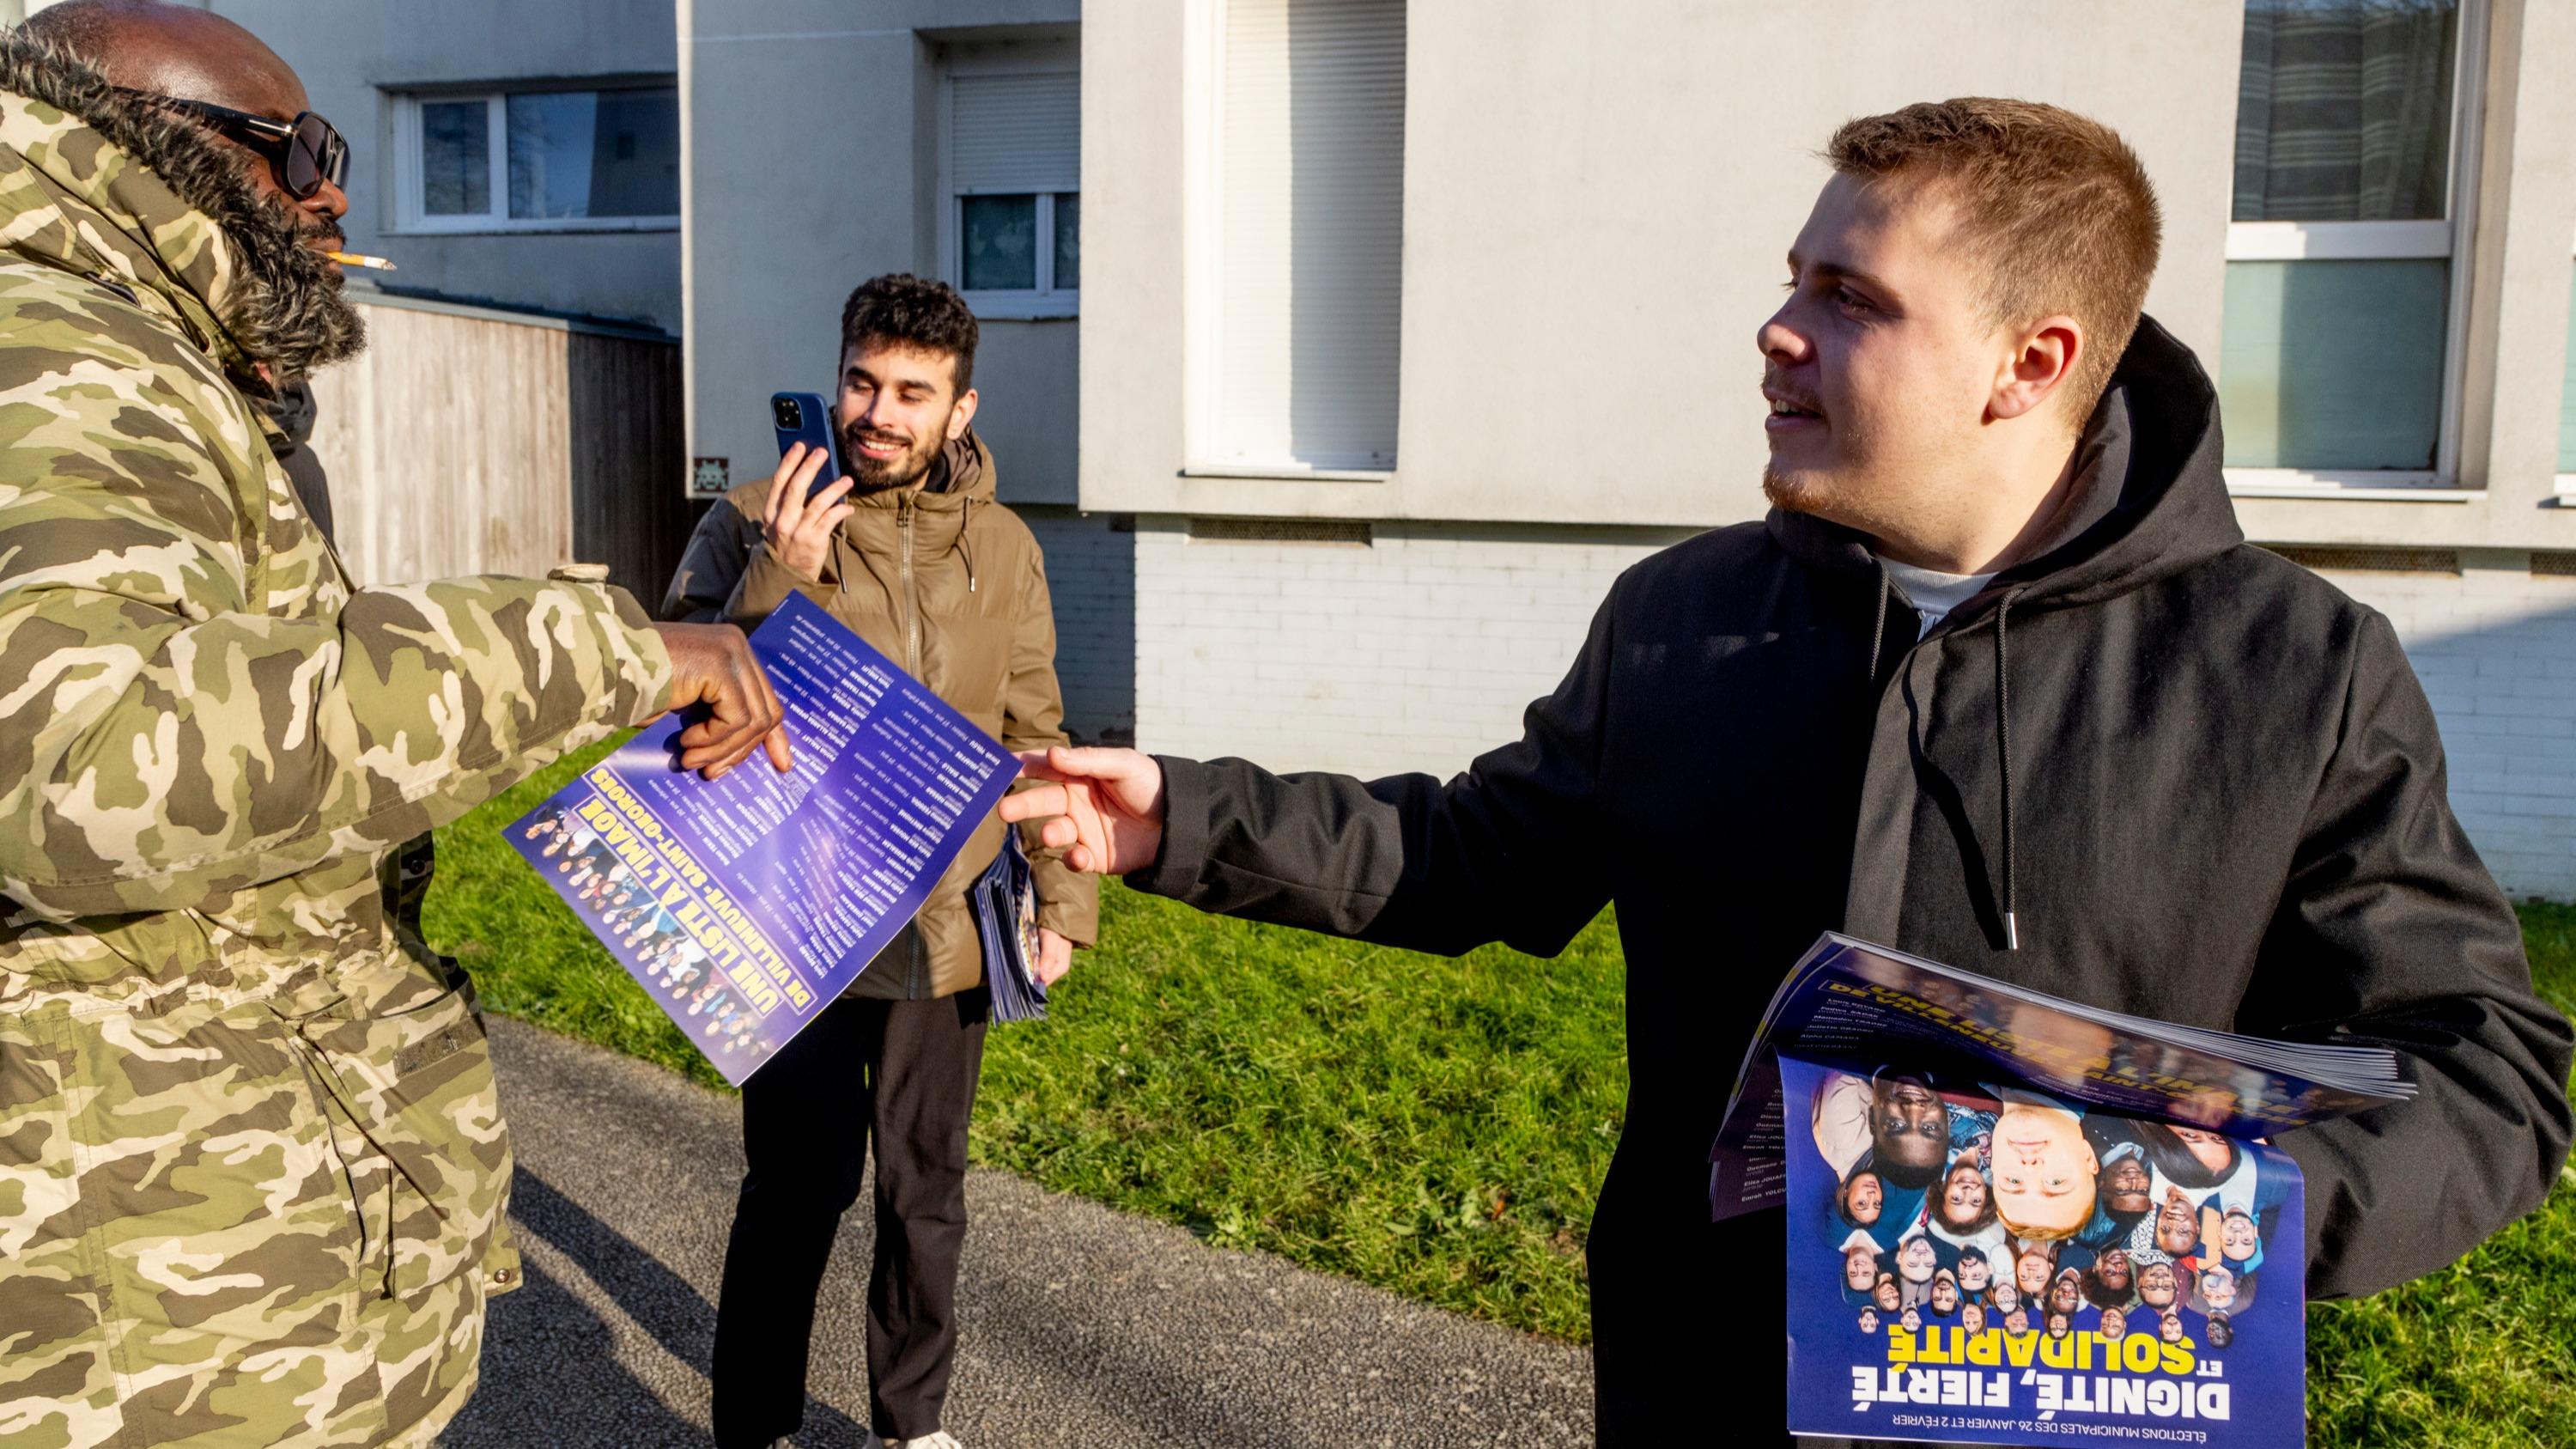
1091 576
1417 651
1420 650
2495 646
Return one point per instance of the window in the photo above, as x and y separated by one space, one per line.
1301 297
1014 221
2338 360
2567 410
539 160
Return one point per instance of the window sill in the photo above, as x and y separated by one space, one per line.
2355 486
1021 307
2335 241
1288 473
537 228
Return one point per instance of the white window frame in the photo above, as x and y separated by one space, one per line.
411 220
2566 488
1203 285
1046 301
2303 241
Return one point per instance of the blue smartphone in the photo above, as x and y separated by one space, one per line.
801 417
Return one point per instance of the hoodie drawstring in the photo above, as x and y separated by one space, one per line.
2003 753
965 549
1878 624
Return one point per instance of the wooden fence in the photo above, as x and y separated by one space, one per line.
471 441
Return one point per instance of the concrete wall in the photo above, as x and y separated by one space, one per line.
350 53
1414 651
1606 192
1091 571
773 250
1597 200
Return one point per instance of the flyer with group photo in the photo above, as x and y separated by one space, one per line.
2014 1218
1984 1263
745 904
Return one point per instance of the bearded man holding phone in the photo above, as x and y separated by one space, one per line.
912 551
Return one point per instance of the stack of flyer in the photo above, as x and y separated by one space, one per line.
2015 1219
1006 919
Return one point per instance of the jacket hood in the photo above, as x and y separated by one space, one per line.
965 469
292 412
942 508
102 184
2150 500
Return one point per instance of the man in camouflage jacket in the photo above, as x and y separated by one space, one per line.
252 1168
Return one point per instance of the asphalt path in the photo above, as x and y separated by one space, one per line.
1078 1325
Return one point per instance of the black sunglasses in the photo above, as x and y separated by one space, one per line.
303 153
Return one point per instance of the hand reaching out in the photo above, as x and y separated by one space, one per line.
1102 807
712 664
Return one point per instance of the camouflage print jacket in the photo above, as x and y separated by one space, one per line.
252 1168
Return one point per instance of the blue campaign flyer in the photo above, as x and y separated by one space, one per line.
1971 1261
745 904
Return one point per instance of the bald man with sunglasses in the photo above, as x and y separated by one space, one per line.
253 1169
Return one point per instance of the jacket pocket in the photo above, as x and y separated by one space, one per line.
423 1115
210 1197
50 1309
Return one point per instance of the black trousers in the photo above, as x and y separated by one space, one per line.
902 1073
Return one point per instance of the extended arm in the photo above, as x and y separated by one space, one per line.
2391 932
1512 850
166 740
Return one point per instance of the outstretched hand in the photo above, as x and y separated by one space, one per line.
712 664
1102 807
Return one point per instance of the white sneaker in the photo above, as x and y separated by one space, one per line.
940 1439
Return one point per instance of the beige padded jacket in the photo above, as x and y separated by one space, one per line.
948 583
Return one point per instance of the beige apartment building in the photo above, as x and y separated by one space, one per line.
1343 351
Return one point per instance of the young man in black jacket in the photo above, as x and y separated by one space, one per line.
1998 681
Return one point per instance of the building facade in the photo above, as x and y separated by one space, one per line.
1383 335
505 155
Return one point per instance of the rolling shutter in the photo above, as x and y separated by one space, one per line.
1311 223
1013 133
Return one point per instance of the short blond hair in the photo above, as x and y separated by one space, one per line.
2054 206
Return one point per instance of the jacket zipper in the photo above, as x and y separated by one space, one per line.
911 595
917 970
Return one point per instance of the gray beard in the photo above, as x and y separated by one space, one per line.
295 301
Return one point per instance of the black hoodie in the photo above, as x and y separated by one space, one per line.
2195 780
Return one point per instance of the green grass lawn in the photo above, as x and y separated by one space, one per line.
1438 1127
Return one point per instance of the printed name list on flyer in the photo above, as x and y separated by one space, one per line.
745 904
